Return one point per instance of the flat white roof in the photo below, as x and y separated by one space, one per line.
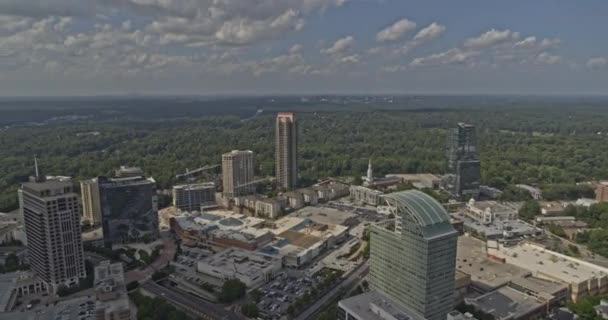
537 259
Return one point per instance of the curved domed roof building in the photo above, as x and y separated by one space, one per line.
413 257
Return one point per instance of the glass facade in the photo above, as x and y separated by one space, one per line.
129 210
412 260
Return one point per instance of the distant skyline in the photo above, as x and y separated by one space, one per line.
224 47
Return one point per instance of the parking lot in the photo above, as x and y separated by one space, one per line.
278 294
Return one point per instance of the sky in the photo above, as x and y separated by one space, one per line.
206 47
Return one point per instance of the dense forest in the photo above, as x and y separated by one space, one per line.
549 146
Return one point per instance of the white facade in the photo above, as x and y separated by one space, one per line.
490 211
365 195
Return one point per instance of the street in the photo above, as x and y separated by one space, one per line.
354 277
189 303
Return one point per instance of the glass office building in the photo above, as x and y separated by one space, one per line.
413 257
129 209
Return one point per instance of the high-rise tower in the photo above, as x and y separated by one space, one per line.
286 150
463 163
237 173
91 206
129 209
51 215
413 257
461 145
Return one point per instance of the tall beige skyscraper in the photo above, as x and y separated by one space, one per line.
91 206
52 225
286 150
237 173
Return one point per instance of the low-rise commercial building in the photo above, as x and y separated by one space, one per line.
112 301
363 195
18 284
507 303
490 211
418 180
251 268
299 241
373 306
551 208
583 278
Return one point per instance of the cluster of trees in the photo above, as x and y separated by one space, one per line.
529 210
522 147
584 307
232 290
155 308
12 264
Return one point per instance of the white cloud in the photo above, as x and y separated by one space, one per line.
396 31
296 48
597 62
350 59
547 58
491 38
340 47
550 43
431 32
527 43
452 56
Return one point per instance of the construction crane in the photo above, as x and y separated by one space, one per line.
189 173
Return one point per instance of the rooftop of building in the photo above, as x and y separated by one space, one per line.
240 261
237 152
485 273
362 188
110 286
215 219
494 206
498 228
423 207
367 305
430 215
539 285
536 258
194 186
323 214
415 176
506 303
125 181
48 185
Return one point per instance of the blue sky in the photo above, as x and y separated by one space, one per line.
98 47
